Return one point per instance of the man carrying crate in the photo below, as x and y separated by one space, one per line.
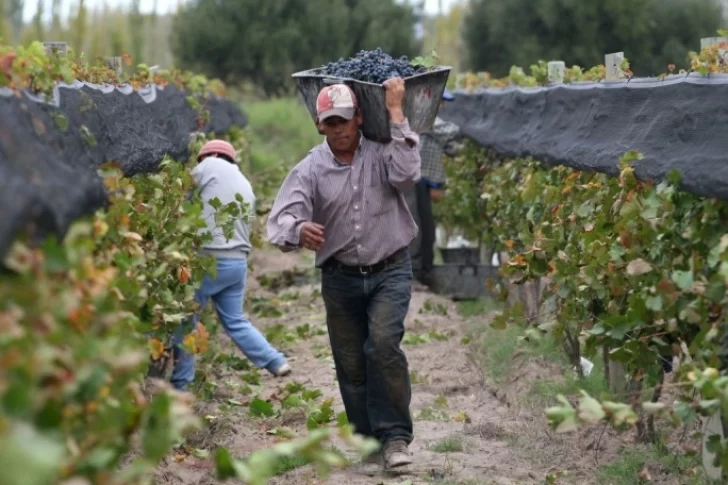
345 201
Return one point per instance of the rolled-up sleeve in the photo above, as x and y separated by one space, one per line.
293 206
402 156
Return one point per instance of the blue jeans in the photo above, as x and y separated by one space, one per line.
365 316
227 292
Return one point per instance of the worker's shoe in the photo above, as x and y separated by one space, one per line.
396 454
283 370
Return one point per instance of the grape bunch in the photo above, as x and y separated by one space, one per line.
371 66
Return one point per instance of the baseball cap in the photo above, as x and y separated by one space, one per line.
336 100
448 96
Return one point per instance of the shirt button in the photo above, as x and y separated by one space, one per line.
356 206
355 187
358 246
357 227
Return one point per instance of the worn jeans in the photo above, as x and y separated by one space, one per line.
227 292
365 316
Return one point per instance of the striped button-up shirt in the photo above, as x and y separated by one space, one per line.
434 144
360 205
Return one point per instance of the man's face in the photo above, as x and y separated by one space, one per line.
341 134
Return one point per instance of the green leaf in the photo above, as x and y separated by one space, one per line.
620 413
683 279
292 401
28 457
157 433
60 120
590 410
224 466
342 419
261 408
563 418
685 412
654 303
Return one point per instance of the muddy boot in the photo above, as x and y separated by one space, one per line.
396 454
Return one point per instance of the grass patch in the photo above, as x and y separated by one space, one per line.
451 444
280 131
289 463
481 306
624 469
498 352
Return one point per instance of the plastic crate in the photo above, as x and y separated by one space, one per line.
460 255
463 281
423 93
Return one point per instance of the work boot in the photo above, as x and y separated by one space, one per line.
396 454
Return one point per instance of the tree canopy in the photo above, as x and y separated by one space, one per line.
265 42
651 33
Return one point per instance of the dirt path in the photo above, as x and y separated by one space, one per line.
463 433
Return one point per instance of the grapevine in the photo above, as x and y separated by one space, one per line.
634 268
84 319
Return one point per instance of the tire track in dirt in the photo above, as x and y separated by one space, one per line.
462 432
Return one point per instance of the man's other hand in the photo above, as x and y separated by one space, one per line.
312 236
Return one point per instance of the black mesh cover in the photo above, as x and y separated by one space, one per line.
679 122
48 162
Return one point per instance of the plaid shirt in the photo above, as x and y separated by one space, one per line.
434 144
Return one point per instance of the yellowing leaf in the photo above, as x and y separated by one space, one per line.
462 417
156 347
183 274
133 236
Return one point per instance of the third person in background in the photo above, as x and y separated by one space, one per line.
436 143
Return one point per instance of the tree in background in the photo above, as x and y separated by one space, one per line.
651 33
4 27
56 24
79 23
38 27
265 42
136 28
443 33
14 12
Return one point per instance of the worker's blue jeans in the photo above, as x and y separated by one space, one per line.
365 316
227 292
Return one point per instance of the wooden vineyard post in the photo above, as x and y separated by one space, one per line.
613 63
56 49
115 64
556 72
617 373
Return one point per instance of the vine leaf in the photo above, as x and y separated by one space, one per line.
638 267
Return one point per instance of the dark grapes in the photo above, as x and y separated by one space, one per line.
371 66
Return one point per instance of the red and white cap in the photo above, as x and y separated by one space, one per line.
336 100
214 147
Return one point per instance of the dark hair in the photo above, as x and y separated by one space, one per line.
217 155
